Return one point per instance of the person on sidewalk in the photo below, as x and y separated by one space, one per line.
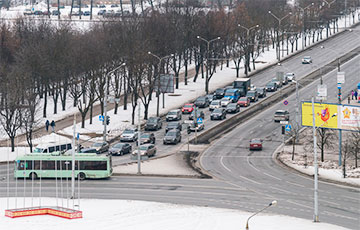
356 94
47 123
52 124
349 99
352 95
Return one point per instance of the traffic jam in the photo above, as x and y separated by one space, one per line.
160 134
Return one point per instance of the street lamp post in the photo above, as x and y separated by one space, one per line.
247 48
207 60
316 193
106 98
303 35
339 101
278 40
158 82
273 203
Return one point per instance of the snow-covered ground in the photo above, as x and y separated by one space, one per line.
140 215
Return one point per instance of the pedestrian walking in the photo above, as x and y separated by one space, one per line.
47 123
349 99
52 124
356 94
352 95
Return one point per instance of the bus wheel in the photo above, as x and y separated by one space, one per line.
33 176
81 176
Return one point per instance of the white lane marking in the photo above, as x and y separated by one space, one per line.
352 198
272 176
249 179
302 205
302 186
282 190
337 215
251 165
222 163
329 202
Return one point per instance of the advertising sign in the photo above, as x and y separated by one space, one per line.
350 117
322 91
166 84
323 115
332 116
340 77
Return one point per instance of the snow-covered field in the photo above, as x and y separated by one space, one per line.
140 215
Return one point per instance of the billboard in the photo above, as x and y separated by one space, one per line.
349 117
166 83
323 115
332 116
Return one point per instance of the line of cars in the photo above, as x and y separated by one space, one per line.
222 102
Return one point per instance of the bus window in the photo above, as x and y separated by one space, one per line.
48 165
93 165
63 147
57 148
51 149
69 146
21 165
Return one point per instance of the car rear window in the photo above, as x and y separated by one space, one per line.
280 113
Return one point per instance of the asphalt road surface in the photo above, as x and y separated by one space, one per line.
229 159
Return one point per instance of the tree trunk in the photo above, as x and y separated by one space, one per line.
12 139
83 116
91 113
45 102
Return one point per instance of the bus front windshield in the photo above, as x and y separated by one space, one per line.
38 150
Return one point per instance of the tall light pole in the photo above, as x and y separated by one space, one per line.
247 48
106 98
316 192
278 40
297 95
158 81
303 10
339 101
273 203
207 60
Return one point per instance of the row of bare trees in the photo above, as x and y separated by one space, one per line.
41 62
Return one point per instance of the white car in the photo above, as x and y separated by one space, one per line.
129 135
290 76
306 60
252 87
215 104
225 101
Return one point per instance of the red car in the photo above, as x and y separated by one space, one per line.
256 144
188 108
244 101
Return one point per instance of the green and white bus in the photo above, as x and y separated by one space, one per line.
43 165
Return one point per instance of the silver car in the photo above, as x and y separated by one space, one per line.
173 115
129 135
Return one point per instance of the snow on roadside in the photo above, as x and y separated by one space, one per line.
139 215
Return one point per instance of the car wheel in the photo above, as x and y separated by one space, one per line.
164 143
179 140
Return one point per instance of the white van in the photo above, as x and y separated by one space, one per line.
52 147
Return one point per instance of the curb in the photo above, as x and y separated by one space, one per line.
276 158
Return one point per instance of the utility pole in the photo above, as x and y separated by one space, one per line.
73 163
207 60
316 211
139 141
158 82
106 98
278 39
